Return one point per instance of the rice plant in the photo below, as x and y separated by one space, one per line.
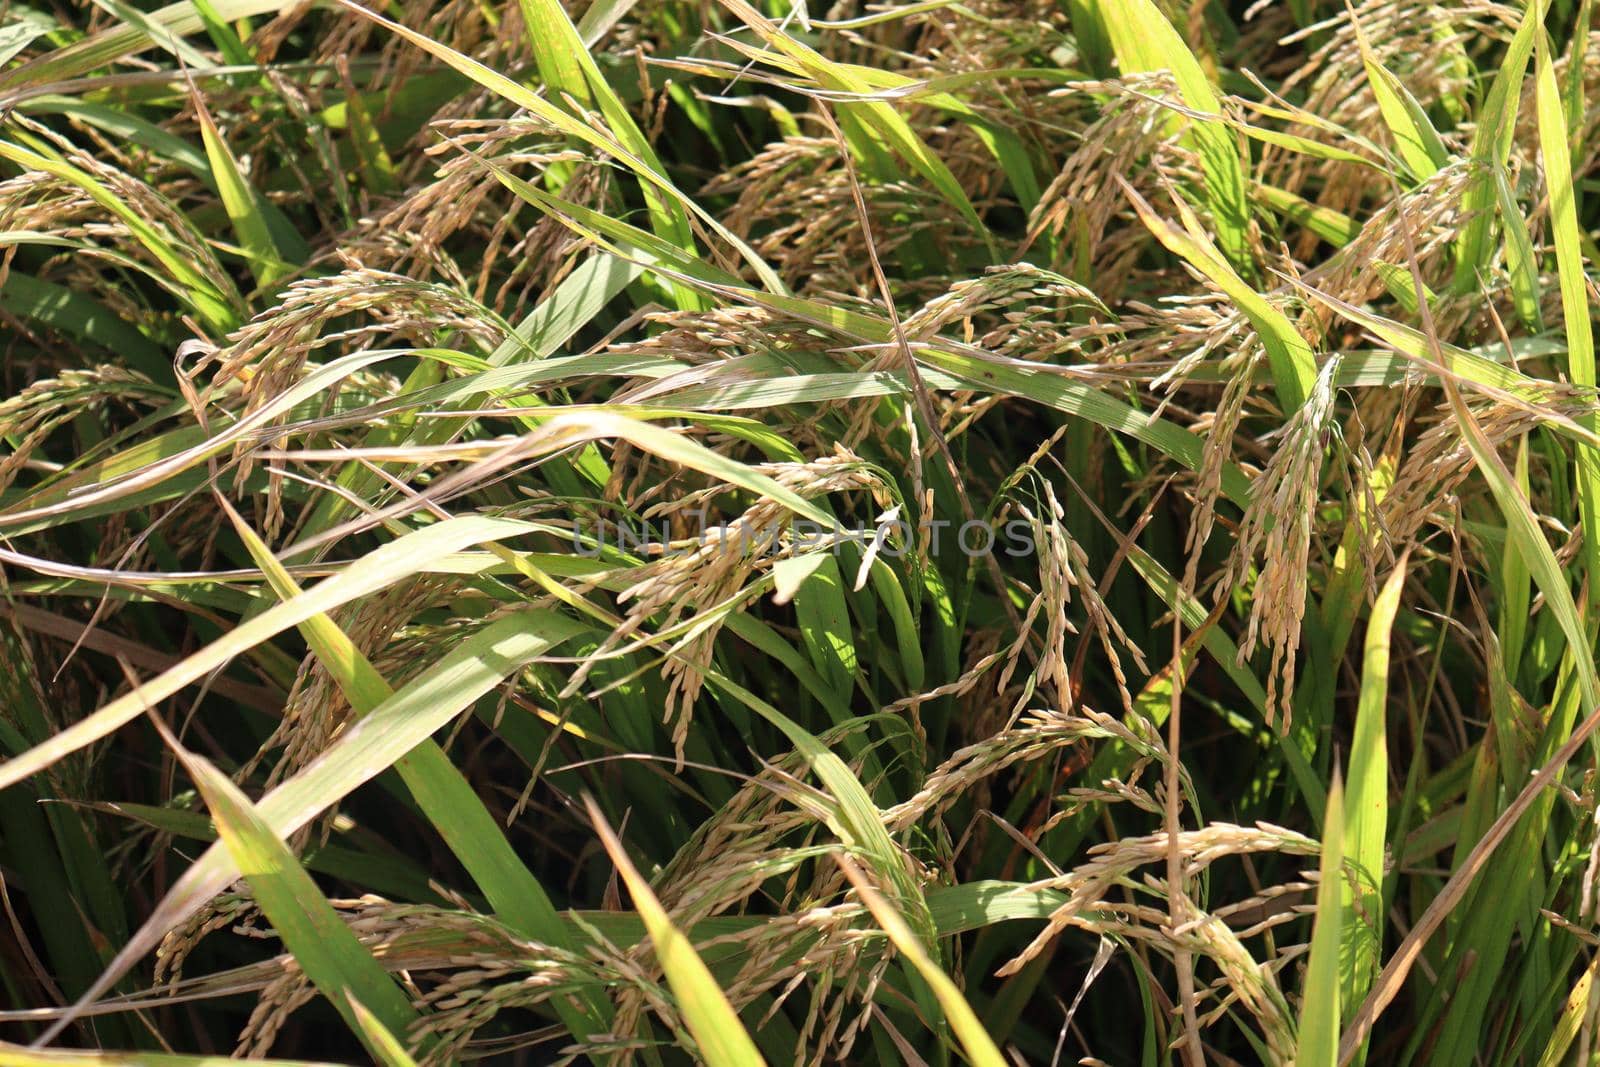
932 532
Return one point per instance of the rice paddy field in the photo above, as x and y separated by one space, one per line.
749 531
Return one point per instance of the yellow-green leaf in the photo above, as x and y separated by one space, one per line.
1144 40
712 1022
1319 999
323 946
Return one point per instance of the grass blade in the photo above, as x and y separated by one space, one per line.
1520 261
580 131
336 962
1366 806
1144 40
242 204
381 568
1421 149
1294 368
1575 302
1394 973
1491 146
566 67
718 1034
443 793
384 1046
216 307
1319 1002
975 1040
366 749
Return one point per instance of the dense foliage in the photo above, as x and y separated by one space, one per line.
659 531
